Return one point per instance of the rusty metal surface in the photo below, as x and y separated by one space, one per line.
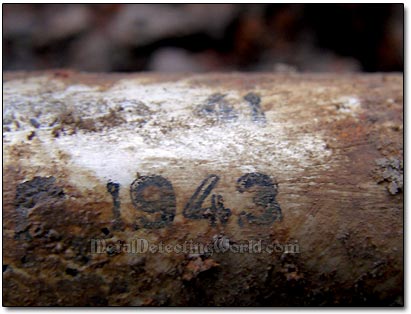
314 160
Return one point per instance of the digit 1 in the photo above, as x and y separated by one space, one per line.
114 189
256 111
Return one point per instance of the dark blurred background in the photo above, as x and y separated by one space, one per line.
204 37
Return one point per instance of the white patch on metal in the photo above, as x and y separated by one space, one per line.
160 129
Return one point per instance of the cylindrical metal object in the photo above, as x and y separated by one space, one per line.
215 189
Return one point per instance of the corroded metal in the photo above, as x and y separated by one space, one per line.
310 166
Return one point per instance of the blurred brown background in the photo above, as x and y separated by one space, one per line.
204 37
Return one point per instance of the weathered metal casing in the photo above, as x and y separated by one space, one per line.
309 165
